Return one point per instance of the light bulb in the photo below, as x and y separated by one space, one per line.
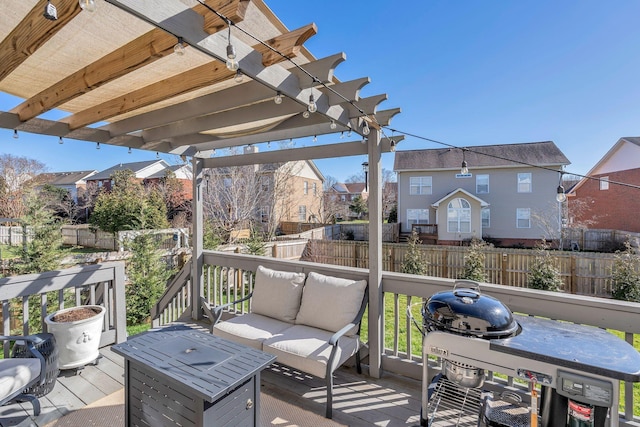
15 134
157 155
364 141
97 145
88 5
342 135
365 128
239 76
561 196
130 151
60 141
306 114
464 169
393 146
232 64
333 125
178 49
312 107
315 138
278 98
349 134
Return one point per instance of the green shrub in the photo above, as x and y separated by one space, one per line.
625 277
414 261
474 262
543 273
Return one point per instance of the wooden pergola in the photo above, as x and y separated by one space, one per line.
118 74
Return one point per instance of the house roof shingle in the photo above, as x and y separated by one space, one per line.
485 156
66 178
134 167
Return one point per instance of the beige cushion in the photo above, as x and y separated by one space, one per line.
307 349
329 302
277 294
16 374
250 329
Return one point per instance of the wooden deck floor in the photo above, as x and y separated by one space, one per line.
359 400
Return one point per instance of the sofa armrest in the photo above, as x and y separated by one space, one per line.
30 341
357 321
215 313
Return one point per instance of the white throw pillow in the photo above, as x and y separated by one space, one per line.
277 294
330 303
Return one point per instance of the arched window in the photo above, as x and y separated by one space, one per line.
459 216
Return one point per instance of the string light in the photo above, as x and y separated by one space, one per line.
306 114
239 76
315 138
178 49
278 98
15 134
129 150
333 125
392 147
342 135
61 141
463 168
232 64
561 196
88 5
157 155
312 107
365 127
97 145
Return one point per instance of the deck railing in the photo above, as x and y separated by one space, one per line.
38 295
230 276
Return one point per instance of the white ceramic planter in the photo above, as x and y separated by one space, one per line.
78 342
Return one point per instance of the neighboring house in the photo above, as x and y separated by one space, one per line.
340 196
74 182
280 196
502 198
182 172
141 170
601 203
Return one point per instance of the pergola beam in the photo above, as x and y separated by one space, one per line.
33 32
177 19
205 75
242 94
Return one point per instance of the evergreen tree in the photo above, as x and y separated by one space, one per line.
414 261
625 277
255 244
147 274
542 273
43 251
128 206
474 262
359 206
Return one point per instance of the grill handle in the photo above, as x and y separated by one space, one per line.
466 285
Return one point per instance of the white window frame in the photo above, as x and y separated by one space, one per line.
523 214
305 187
523 186
462 216
479 184
314 188
485 215
419 185
302 213
417 216
604 183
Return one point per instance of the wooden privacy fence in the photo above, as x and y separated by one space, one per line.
582 273
83 235
598 240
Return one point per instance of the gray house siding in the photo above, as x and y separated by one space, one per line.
503 199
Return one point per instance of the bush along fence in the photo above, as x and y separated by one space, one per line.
581 273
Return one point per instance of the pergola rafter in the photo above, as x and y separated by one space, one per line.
116 75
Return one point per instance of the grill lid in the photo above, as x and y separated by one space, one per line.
465 311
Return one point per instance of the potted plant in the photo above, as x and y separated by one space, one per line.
77 331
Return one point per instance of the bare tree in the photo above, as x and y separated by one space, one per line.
556 219
18 177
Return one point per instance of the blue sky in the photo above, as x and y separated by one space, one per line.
465 72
